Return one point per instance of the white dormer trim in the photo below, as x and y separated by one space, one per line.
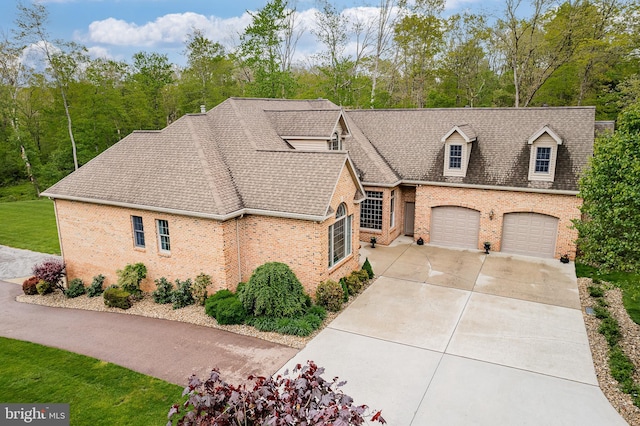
544 153
462 141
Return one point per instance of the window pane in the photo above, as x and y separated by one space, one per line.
371 211
455 156
392 219
138 231
543 159
163 234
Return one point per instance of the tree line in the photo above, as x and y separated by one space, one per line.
61 108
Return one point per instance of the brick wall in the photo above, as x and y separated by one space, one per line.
98 239
563 207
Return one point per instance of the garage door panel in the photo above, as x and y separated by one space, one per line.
455 227
531 234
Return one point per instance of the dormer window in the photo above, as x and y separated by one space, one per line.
544 151
335 144
458 143
455 156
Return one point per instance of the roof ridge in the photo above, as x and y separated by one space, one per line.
243 125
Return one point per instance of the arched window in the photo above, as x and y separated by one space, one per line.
340 236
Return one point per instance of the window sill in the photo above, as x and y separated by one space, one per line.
164 254
340 263
371 231
140 249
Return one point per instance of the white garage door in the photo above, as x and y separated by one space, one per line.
531 234
455 227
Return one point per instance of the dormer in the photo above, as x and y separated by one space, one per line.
311 130
457 149
544 152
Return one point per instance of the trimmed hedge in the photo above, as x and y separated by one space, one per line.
230 311
330 295
29 286
116 297
211 304
367 267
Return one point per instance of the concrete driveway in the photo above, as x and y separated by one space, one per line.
453 337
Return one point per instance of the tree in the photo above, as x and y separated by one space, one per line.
266 50
152 72
609 233
383 38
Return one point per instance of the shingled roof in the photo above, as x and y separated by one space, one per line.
223 163
410 142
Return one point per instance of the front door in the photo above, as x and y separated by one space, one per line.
409 218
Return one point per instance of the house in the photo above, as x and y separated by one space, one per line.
303 181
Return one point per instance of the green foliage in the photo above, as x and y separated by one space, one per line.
601 312
610 329
29 286
273 290
353 283
301 325
211 304
163 293
115 297
43 287
230 311
610 188
130 278
345 289
622 370
182 296
199 289
367 267
95 289
330 295
595 291
76 288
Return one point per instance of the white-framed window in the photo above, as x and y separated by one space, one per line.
392 218
455 156
163 235
138 231
371 210
335 144
543 159
340 236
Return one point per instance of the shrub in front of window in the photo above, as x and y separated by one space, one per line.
116 297
95 289
76 288
211 304
130 277
354 284
330 295
51 271
44 287
163 293
362 275
29 286
304 399
182 296
199 289
367 267
273 290
345 290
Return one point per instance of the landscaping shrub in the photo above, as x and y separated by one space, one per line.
595 291
362 275
29 286
330 295
601 312
211 305
44 287
354 285
182 296
199 289
116 297
302 325
622 369
343 284
318 311
130 277
51 271
230 311
304 399
274 290
367 267
163 293
95 289
610 329
76 288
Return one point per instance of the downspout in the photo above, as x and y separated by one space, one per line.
238 246
55 209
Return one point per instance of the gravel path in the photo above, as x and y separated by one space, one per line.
600 349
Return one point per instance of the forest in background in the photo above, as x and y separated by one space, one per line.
60 108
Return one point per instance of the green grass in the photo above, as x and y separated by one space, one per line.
19 192
99 393
29 225
628 282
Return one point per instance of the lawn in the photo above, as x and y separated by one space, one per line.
99 393
629 283
29 225
18 192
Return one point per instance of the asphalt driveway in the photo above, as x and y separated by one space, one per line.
453 337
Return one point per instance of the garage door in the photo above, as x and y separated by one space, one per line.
455 227
531 234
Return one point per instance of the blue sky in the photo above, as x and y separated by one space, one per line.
119 28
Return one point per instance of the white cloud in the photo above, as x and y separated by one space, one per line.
99 52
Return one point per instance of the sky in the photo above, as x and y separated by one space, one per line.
117 29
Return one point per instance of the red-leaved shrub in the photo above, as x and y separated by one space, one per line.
50 270
29 286
304 400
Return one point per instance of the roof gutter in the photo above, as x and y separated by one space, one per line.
495 188
245 211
